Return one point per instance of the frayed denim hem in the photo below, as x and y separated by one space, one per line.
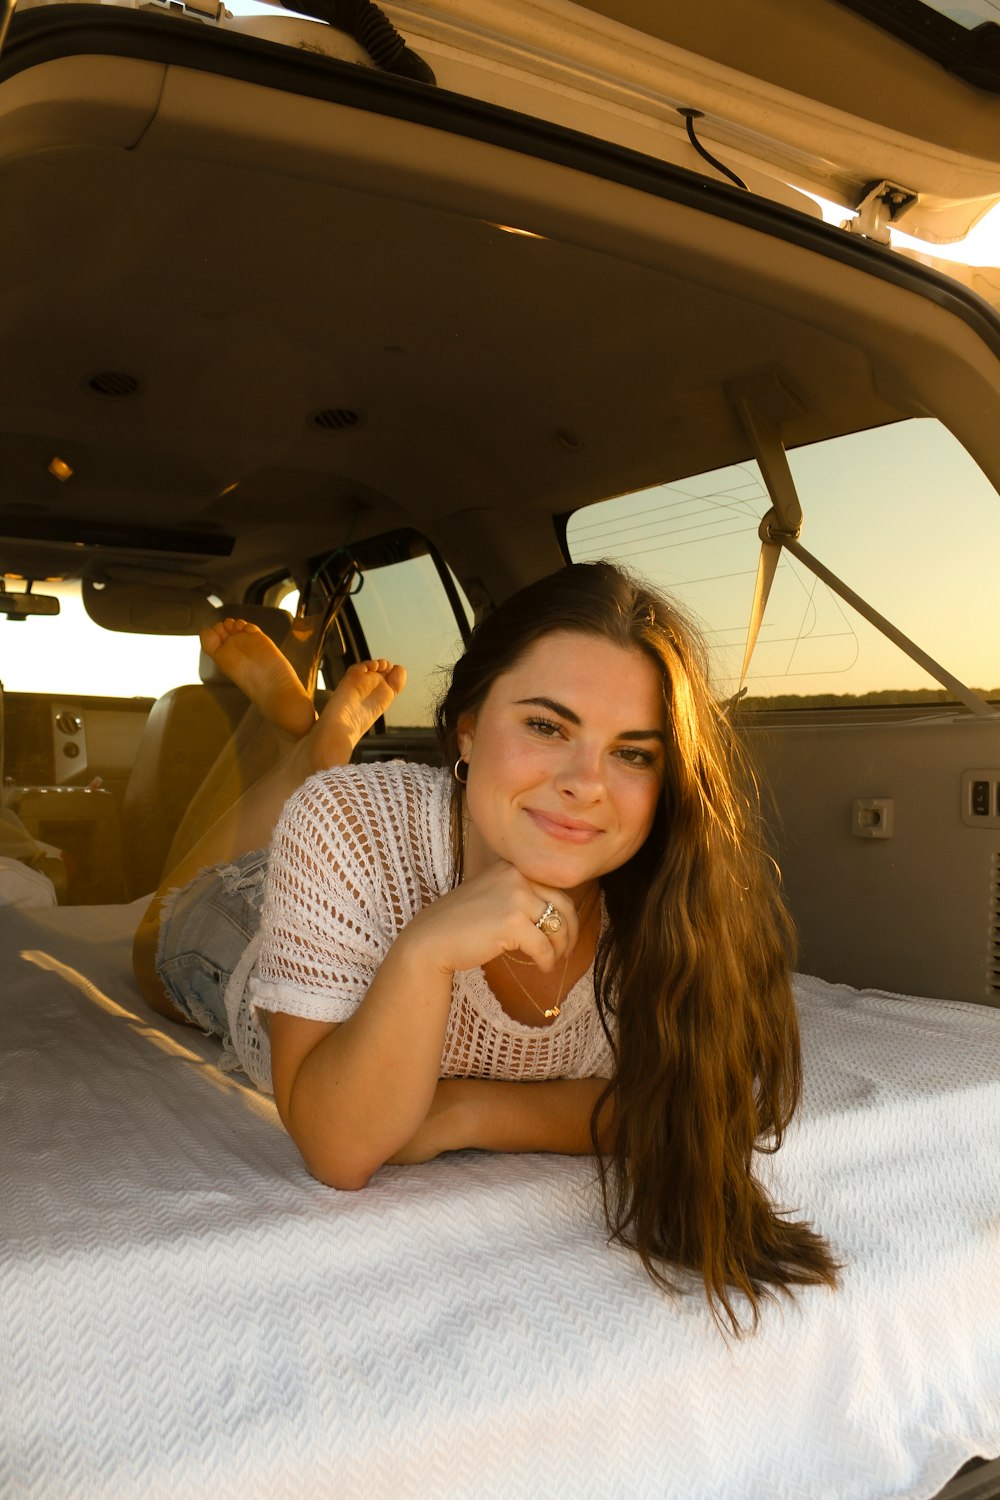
205 927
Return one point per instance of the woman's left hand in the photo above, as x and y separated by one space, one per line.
445 1127
488 1114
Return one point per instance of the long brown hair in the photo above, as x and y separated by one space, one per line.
692 970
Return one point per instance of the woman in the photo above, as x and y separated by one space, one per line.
571 941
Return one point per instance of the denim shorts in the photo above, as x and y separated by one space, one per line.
204 930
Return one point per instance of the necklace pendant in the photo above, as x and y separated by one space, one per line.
551 1013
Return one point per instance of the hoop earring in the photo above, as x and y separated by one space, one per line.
454 771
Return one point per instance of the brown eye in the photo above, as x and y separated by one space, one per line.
547 728
641 759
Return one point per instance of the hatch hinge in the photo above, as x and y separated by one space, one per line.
210 12
882 205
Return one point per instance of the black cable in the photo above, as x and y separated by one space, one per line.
371 29
690 115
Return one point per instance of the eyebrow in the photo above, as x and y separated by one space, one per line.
572 718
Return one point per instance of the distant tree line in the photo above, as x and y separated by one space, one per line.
884 698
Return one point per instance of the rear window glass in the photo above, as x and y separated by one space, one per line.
901 514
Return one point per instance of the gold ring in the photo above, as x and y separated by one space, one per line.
550 921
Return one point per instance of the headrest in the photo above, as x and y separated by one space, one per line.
273 622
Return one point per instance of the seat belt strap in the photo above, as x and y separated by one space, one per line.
303 646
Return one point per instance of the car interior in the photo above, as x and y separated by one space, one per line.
501 339
347 354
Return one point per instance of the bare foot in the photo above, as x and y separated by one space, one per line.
363 694
252 660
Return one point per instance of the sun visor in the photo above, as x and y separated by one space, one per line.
175 604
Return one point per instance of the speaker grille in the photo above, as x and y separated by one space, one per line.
335 419
114 384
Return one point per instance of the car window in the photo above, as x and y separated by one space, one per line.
406 615
69 653
902 514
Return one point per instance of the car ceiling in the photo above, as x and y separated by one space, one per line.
330 334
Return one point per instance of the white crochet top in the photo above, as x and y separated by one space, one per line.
358 852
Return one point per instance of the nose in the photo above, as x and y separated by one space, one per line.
580 778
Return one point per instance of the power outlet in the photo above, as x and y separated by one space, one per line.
873 818
980 804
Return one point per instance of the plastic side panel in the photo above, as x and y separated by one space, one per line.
80 102
912 910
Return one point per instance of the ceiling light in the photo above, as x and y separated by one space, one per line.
61 469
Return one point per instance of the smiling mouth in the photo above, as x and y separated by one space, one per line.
565 829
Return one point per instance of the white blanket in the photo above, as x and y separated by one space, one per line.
184 1313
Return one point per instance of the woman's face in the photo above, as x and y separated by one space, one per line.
566 760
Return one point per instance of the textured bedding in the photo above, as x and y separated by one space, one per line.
183 1312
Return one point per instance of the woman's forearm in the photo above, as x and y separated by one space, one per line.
356 1096
495 1115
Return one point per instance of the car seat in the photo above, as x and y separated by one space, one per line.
187 728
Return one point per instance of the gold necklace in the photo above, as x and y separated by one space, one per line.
553 1011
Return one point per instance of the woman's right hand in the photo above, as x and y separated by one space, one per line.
494 912
353 1095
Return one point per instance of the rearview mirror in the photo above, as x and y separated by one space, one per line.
20 606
